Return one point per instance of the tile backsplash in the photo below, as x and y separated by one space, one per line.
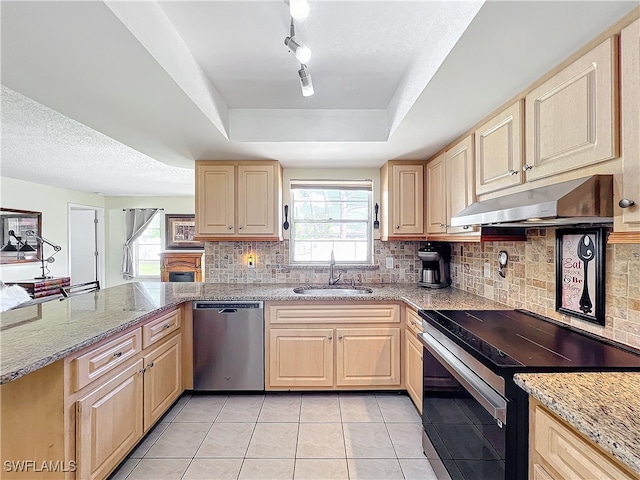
226 262
530 281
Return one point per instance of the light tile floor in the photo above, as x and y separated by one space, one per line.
283 436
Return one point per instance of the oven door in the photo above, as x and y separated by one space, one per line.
463 415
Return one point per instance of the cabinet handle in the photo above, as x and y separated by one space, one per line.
230 227
442 225
466 227
421 359
118 354
626 203
330 337
240 227
339 337
142 370
150 364
526 167
513 172
166 325
397 227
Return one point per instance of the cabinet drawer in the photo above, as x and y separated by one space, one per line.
160 328
100 360
334 314
413 321
570 455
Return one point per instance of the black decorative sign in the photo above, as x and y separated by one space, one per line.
580 270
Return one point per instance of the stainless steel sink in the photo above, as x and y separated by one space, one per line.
333 290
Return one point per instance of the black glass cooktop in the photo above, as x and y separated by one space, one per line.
520 340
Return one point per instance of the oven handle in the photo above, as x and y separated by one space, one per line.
491 401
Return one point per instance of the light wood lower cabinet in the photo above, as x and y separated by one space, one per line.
413 375
301 357
367 356
162 379
109 423
332 346
559 452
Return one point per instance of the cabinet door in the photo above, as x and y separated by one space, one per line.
109 423
630 70
162 379
407 202
301 357
571 118
413 368
460 180
436 198
499 151
257 200
215 193
368 356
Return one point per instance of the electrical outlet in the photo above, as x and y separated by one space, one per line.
487 270
389 262
251 261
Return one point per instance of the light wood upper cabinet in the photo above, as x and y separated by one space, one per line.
571 119
628 185
459 170
436 198
402 206
238 200
499 150
215 199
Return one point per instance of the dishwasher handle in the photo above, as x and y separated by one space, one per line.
228 310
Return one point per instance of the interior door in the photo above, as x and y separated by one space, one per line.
83 246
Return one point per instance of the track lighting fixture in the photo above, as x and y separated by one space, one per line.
302 53
305 82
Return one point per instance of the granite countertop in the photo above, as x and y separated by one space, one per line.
603 406
35 336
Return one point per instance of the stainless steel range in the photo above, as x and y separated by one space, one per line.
474 416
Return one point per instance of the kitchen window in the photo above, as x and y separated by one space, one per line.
147 250
331 215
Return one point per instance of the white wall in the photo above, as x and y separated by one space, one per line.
116 229
52 202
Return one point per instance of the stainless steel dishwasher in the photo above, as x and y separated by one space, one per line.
228 345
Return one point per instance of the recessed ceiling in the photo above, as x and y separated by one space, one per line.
179 81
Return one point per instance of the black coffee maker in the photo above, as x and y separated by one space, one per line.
435 257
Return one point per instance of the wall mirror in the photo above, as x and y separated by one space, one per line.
17 240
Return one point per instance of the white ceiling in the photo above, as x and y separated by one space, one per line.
124 96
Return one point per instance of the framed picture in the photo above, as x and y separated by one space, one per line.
580 270
17 240
180 232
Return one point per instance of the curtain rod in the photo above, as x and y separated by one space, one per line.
125 209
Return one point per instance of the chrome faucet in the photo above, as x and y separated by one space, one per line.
333 280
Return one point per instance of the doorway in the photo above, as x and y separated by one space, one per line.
86 241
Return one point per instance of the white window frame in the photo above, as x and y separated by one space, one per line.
136 257
366 185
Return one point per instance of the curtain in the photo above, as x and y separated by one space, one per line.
136 220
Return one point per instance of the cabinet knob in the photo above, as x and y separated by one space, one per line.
240 227
397 226
150 364
466 227
339 337
230 227
166 325
526 167
142 370
330 337
117 354
626 203
513 172
442 225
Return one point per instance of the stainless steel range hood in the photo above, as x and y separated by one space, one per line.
585 200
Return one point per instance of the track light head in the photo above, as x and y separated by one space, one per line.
305 82
302 53
299 9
